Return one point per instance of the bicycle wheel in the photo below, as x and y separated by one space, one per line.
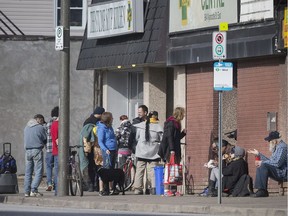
129 171
75 181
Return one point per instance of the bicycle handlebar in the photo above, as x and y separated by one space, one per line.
75 146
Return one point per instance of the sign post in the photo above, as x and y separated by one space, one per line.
223 81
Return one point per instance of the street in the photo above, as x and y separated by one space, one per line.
22 210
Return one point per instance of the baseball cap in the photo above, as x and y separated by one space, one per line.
272 135
98 111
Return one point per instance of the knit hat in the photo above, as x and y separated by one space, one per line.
99 111
239 152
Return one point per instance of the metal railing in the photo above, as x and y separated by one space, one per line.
8 27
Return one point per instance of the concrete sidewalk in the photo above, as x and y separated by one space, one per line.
270 206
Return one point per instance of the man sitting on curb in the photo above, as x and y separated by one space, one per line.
274 167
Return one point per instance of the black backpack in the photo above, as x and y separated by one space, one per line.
244 186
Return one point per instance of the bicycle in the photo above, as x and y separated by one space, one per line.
129 170
74 173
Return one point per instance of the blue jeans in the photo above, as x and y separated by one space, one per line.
262 174
56 168
49 167
109 160
33 162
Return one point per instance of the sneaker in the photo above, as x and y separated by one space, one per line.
103 193
114 192
169 193
138 192
49 188
36 194
27 194
177 193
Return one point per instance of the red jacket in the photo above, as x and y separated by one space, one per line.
54 135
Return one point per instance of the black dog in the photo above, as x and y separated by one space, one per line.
115 175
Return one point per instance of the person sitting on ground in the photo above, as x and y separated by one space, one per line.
274 167
214 174
122 135
236 167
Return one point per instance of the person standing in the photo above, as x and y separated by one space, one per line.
54 135
274 167
148 136
170 145
122 134
93 119
107 143
142 115
49 159
35 138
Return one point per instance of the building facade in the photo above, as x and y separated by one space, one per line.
258 102
30 69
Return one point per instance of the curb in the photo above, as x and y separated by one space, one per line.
136 207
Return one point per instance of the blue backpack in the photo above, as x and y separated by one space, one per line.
7 164
7 161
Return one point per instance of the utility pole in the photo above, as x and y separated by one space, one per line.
64 115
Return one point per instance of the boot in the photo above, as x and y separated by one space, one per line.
211 189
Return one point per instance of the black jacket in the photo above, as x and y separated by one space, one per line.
171 142
232 173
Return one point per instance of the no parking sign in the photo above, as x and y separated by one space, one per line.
219 45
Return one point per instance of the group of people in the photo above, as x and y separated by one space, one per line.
235 168
143 138
151 143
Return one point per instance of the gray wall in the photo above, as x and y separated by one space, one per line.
29 84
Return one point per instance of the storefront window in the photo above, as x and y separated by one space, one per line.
136 85
77 13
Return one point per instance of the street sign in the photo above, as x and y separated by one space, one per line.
219 45
59 38
223 76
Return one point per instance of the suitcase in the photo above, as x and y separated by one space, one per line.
8 181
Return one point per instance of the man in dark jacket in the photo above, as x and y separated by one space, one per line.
142 115
93 119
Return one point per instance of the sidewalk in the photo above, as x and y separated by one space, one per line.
244 206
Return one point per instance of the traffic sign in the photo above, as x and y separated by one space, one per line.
219 45
59 38
223 76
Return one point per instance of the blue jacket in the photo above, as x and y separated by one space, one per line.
106 137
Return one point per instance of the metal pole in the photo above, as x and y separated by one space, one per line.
64 114
220 149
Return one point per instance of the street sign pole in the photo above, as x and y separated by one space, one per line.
64 123
220 148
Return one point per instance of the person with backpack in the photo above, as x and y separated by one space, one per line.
274 167
122 135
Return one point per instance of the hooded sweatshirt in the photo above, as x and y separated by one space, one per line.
34 135
148 150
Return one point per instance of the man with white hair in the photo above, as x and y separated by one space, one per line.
274 167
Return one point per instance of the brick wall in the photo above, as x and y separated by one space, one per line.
258 93
201 118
